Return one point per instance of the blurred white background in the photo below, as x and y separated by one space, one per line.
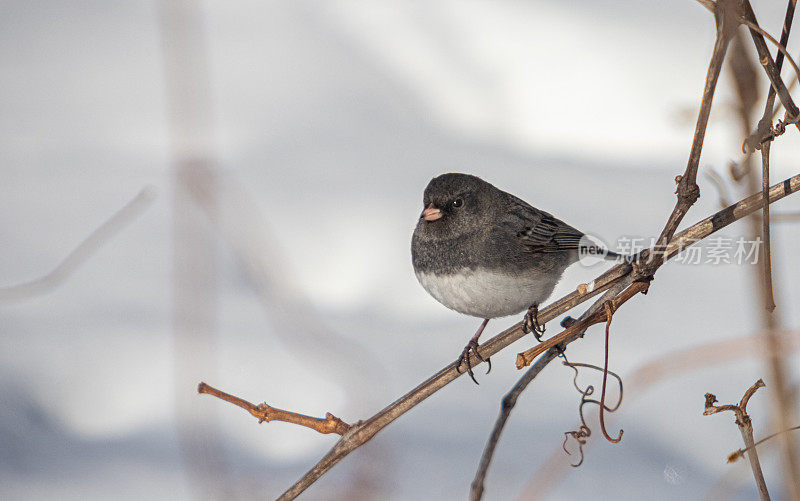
327 120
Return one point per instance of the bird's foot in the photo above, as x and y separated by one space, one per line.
531 323
472 347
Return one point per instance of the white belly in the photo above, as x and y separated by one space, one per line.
487 294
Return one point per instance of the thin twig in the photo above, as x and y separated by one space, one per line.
609 311
746 429
761 139
765 58
688 192
734 456
265 413
769 298
506 406
790 88
781 48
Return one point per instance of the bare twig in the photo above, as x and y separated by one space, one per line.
761 139
736 455
83 251
506 406
746 429
782 52
725 14
265 413
769 297
609 311
765 58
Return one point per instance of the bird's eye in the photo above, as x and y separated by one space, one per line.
458 202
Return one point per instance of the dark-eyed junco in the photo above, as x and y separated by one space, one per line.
486 253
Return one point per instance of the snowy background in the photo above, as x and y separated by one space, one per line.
328 120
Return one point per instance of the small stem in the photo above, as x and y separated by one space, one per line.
734 456
609 311
263 412
746 429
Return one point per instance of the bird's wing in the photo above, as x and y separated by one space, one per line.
537 230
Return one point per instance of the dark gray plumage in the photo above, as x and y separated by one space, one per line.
486 253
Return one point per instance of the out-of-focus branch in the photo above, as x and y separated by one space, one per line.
266 413
746 429
83 251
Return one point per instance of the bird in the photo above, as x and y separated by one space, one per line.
486 253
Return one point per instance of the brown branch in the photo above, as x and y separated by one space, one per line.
265 413
760 138
789 88
688 192
762 132
609 311
362 432
746 429
506 406
781 51
769 297
765 58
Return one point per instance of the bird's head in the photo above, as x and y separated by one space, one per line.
454 205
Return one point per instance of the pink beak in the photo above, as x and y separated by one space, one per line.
431 213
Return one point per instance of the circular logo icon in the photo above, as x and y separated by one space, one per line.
591 250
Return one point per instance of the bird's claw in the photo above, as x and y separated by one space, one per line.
531 323
472 346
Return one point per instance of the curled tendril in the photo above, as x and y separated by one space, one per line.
583 432
580 435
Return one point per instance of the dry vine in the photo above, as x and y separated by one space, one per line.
746 428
